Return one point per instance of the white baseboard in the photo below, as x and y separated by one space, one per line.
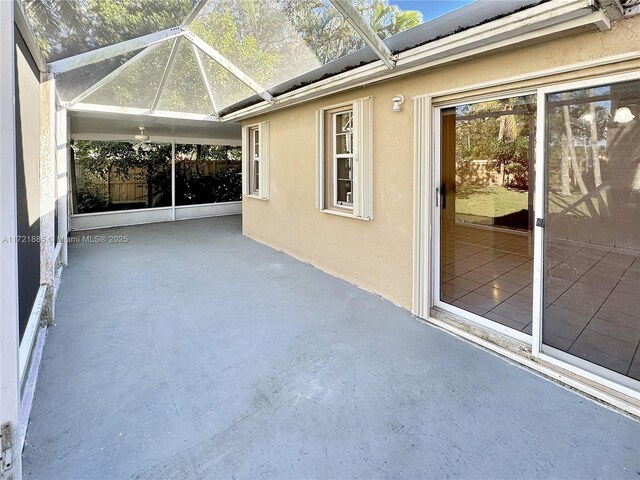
31 332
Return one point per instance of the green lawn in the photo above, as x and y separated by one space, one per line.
490 202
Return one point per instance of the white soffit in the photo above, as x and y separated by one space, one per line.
113 126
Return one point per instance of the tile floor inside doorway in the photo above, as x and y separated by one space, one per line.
592 292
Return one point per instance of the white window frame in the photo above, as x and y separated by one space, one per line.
362 163
337 156
249 160
254 153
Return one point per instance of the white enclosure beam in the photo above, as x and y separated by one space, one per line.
29 37
124 137
62 176
227 65
194 13
173 180
632 10
205 80
104 53
612 8
10 445
165 74
360 25
115 73
92 107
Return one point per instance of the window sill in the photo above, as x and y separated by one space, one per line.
345 214
256 197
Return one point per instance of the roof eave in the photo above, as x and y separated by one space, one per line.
533 23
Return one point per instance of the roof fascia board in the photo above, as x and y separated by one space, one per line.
543 20
562 19
104 53
115 73
227 65
20 18
544 15
362 27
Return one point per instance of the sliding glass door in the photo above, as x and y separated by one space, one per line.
485 210
564 278
591 271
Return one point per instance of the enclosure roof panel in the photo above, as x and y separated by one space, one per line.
65 28
203 57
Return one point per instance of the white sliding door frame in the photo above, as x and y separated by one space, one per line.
557 364
595 372
437 217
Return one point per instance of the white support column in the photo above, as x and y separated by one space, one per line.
62 168
227 65
48 150
360 25
422 206
10 447
173 180
104 53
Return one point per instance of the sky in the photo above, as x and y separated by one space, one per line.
430 8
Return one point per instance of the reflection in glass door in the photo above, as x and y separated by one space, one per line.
591 284
486 211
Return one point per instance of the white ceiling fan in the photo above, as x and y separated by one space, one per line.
142 141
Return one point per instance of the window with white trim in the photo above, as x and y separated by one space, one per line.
255 145
254 155
344 159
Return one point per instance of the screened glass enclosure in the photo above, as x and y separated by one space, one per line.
196 58
111 176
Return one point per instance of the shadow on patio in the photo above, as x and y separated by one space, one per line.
193 352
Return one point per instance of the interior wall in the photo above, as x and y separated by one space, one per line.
28 178
377 255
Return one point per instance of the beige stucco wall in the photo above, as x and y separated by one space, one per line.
377 255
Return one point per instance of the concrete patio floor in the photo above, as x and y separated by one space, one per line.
194 352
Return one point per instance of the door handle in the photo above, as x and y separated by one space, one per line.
443 192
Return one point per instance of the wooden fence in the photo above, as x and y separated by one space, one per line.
133 187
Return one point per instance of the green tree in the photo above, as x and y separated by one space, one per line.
272 41
68 27
504 139
104 160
